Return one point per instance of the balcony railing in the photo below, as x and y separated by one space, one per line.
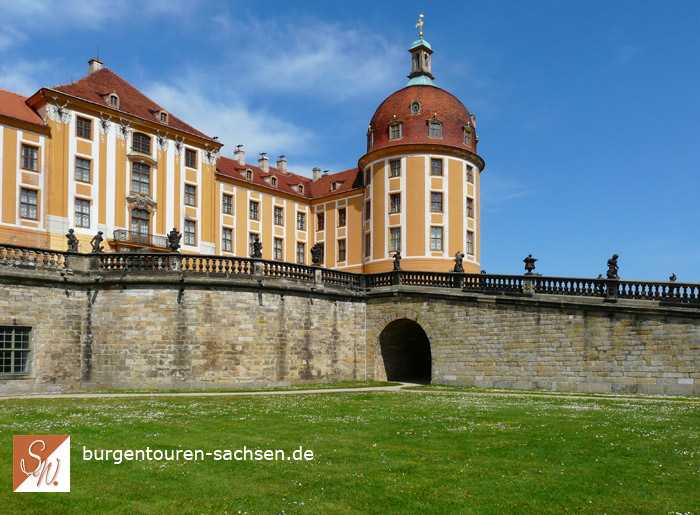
150 240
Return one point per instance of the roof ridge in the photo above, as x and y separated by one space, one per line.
13 93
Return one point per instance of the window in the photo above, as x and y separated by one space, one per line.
141 178
436 202
341 250
227 204
436 238
190 158
82 212
190 195
395 168
301 252
395 239
140 221
28 204
470 208
14 350
251 242
368 244
278 249
323 252
249 174
300 189
341 217
301 221
368 210
436 167
227 239
470 174
435 130
141 143
467 137
273 181
334 186
30 158
470 243
82 169
253 210
279 216
164 117
368 177
114 100
395 131
370 140
190 232
320 221
83 128
395 203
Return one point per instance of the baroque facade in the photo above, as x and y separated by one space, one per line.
98 155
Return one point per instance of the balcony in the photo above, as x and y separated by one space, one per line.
139 239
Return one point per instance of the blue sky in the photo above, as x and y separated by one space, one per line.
588 113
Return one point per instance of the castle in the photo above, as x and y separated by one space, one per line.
98 155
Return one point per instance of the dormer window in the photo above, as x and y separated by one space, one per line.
370 138
163 116
249 174
435 127
114 100
300 189
273 181
395 129
467 136
334 186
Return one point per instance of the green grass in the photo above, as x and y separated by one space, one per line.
311 386
375 452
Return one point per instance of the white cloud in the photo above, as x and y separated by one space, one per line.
230 119
498 189
23 77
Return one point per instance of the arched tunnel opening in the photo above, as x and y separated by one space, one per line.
406 352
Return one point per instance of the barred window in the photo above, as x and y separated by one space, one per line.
190 195
470 174
341 217
436 167
470 243
436 202
253 211
320 221
368 244
82 169
301 221
395 239
190 232
227 239
141 178
83 128
395 168
436 238
227 204
190 158
395 203
278 249
341 250
82 212
470 208
279 216
30 158
28 204
141 143
14 350
301 252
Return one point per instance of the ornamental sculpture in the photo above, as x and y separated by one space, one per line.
72 241
459 257
96 243
529 264
397 260
174 238
613 268
672 278
257 248
316 254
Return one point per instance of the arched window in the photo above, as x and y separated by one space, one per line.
114 100
273 181
141 143
140 222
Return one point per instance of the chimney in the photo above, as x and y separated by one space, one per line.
317 173
239 155
282 164
264 162
94 65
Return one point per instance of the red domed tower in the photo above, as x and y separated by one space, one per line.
421 177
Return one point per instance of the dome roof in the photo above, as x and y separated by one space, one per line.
433 103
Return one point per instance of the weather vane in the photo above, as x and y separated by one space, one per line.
420 25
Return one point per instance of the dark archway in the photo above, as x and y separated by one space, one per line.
406 352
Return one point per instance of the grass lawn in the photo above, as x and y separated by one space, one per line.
374 452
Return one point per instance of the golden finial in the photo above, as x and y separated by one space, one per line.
420 24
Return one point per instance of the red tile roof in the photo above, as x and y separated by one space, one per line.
96 86
288 182
13 105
